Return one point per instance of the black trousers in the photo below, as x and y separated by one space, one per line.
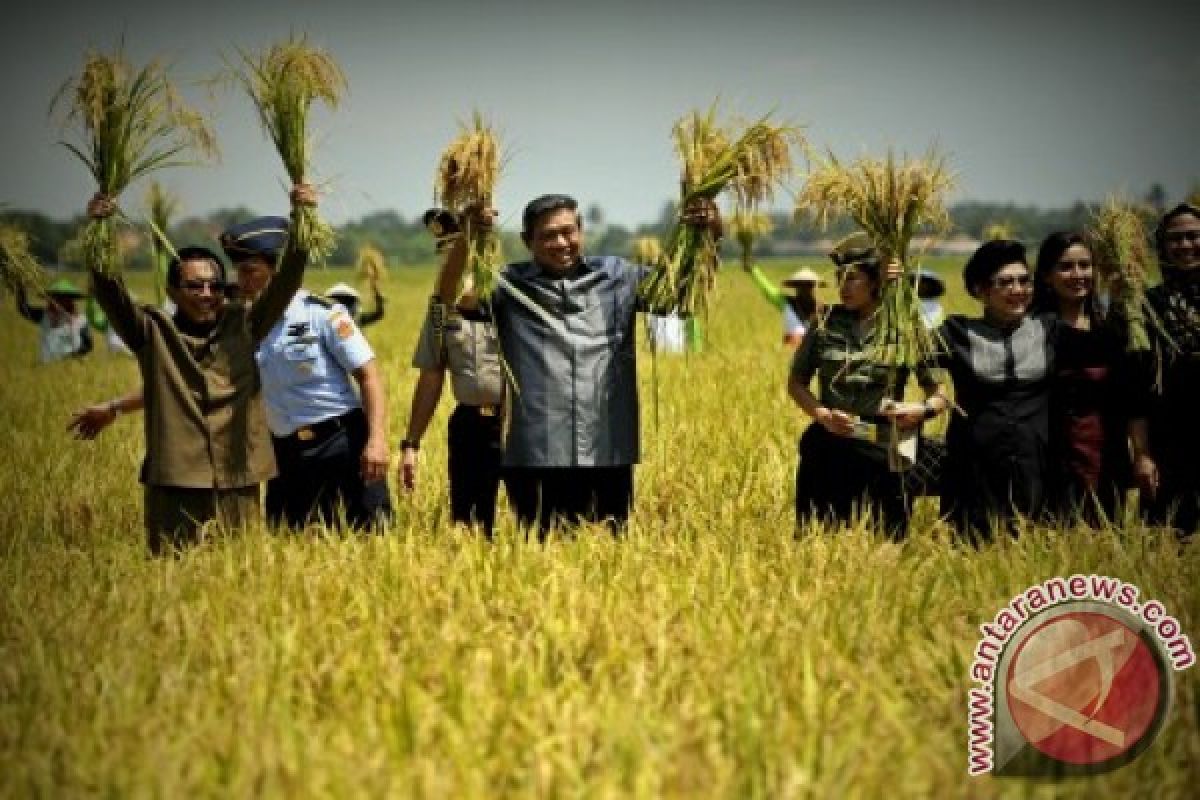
839 478
475 454
321 478
569 495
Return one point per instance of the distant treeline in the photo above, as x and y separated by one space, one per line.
405 241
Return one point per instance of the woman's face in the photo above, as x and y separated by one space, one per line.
1007 295
1071 278
856 289
1181 242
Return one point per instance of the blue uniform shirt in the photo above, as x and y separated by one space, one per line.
305 364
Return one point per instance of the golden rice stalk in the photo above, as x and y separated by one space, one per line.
999 231
747 227
1123 257
751 162
890 199
467 174
19 270
372 266
129 122
161 208
283 82
647 250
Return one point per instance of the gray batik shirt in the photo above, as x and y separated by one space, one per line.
569 346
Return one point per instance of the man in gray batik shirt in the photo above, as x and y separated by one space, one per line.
566 330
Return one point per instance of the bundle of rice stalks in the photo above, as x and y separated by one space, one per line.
647 250
131 122
891 200
283 82
372 266
467 174
747 227
751 163
999 231
1123 257
19 270
161 208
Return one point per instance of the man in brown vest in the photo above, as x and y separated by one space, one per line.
207 444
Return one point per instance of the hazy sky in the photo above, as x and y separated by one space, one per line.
1041 103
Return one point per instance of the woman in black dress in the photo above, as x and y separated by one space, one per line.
1002 365
1166 442
1090 397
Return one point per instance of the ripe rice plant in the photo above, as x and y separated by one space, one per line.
751 162
161 208
747 227
1123 258
891 200
19 270
283 82
129 122
467 174
371 265
646 250
714 651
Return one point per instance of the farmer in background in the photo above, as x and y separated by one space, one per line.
62 329
467 348
330 442
348 296
1166 442
566 328
800 308
207 445
845 465
930 289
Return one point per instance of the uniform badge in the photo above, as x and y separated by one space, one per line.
343 326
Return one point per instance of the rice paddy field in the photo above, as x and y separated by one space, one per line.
710 652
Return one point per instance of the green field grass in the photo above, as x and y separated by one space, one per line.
709 652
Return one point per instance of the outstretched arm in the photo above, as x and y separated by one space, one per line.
274 300
90 422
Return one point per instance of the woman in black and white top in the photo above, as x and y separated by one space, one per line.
1002 365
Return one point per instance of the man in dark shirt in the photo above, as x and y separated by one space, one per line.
566 329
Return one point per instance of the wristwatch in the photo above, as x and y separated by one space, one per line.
409 444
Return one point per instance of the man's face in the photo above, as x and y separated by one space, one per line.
555 240
253 274
199 295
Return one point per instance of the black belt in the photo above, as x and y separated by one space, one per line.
318 431
492 410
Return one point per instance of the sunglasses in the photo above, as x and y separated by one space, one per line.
196 287
1010 281
1179 237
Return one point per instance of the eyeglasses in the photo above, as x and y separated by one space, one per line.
1179 237
1011 281
196 287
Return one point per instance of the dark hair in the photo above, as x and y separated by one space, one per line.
175 268
1045 301
1160 233
990 258
541 206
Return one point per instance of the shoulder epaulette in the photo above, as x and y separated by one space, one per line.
318 300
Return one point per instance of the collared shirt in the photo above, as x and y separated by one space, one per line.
205 423
839 354
470 351
305 362
569 345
